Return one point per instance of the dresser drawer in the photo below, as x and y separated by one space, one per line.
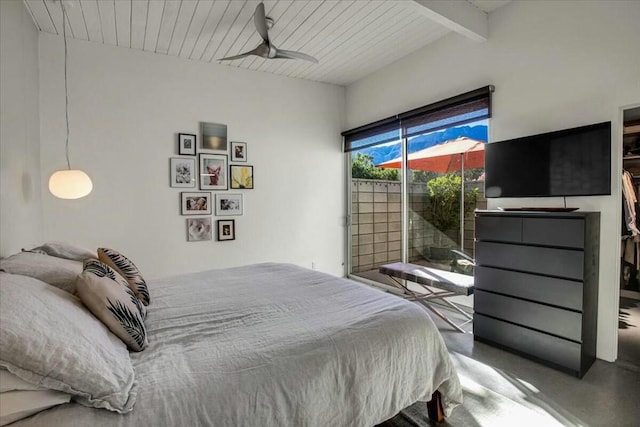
564 263
560 292
500 228
556 321
554 232
546 347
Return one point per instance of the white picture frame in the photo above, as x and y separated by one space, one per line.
229 204
238 151
182 172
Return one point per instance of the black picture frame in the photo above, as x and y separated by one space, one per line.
195 203
187 144
225 229
241 177
213 172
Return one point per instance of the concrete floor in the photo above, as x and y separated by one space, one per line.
502 388
608 394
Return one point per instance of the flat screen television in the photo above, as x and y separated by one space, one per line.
570 162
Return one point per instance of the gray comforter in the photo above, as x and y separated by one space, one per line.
276 345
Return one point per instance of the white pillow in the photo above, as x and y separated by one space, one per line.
16 405
66 251
57 272
49 339
9 382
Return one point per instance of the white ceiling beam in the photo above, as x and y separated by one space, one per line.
459 16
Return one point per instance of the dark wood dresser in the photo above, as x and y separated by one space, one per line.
536 285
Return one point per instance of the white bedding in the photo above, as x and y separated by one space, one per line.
276 345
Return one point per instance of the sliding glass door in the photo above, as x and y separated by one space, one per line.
415 180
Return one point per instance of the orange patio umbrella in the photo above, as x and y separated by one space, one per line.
458 154
450 156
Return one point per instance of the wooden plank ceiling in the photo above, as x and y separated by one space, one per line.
350 38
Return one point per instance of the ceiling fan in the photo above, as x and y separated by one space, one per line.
266 49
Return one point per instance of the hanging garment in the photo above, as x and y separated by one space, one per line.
630 200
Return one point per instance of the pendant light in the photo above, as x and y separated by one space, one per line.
68 183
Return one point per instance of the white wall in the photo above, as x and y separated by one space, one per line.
20 200
555 65
126 108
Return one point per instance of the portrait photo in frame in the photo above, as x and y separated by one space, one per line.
182 172
229 204
226 229
195 203
198 229
241 177
213 138
213 172
238 151
187 144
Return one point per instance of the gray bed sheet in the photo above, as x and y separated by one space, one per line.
276 345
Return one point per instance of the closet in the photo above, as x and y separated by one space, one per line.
630 233
629 308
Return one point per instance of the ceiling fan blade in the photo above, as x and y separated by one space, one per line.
242 55
261 50
260 21
290 54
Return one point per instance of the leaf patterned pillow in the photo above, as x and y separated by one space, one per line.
128 270
108 296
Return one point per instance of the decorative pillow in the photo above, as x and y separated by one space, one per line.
128 270
108 297
49 339
65 250
101 269
57 272
16 405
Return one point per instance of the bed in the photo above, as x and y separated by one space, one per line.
273 345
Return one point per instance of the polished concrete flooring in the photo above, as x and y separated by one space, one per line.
502 388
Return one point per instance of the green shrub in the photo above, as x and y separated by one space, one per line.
444 201
362 167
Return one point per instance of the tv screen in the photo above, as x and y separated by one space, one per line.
570 162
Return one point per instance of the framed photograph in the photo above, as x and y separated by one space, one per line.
198 229
228 204
213 138
197 203
226 229
241 177
238 151
186 144
213 172
183 172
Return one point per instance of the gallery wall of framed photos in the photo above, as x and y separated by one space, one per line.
206 168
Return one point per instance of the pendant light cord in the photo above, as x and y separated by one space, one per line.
66 93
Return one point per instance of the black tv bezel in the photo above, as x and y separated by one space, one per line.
557 133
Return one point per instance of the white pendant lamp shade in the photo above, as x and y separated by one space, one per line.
70 184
